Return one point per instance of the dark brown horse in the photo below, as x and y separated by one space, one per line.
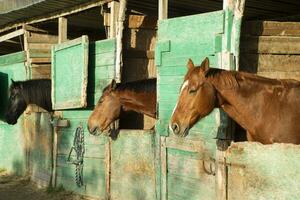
22 93
138 96
269 109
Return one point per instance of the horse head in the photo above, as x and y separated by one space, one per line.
16 103
197 99
106 111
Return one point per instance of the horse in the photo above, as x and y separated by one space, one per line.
23 93
138 96
268 109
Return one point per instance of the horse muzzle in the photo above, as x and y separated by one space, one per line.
178 130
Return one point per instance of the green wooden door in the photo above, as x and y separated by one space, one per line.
186 162
69 74
96 166
132 166
12 141
257 171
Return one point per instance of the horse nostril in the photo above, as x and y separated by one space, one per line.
175 128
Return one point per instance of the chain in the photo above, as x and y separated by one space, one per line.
78 147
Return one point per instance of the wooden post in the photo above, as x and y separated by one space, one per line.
62 30
162 9
119 37
234 11
26 49
164 168
114 12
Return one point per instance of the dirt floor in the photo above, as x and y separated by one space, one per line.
20 188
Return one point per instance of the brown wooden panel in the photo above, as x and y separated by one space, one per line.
269 63
271 44
271 28
42 38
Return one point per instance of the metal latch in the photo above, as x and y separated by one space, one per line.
57 122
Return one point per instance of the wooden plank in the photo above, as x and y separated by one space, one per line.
271 44
281 75
39 46
270 63
32 29
42 38
271 28
12 58
12 35
40 60
39 53
62 29
41 72
185 145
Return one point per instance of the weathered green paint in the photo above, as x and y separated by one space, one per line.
257 171
200 37
132 166
101 68
12 141
94 159
69 74
100 73
39 147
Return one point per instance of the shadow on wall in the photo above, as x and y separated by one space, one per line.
18 167
3 94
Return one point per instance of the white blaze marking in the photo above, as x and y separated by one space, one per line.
184 85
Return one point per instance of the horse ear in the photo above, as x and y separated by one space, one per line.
12 81
113 84
205 65
190 65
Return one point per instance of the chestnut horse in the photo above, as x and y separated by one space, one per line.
138 96
268 109
22 93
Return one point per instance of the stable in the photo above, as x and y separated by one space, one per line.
83 45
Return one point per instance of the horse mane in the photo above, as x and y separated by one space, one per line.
231 79
225 79
146 85
37 91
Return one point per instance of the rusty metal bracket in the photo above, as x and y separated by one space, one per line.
57 122
211 169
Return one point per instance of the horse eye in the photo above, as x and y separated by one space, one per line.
191 91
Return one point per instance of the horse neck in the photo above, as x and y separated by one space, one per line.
33 94
235 95
141 102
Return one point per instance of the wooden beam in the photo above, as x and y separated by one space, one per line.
62 30
162 9
119 37
114 12
12 35
56 14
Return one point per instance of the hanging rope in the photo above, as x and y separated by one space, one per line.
78 147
